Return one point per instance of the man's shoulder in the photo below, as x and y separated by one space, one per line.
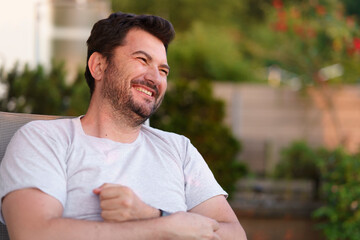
59 122
161 135
48 127
155 131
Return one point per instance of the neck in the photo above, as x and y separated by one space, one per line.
101 121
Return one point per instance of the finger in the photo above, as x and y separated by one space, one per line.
215 225
109 193
108 216
115 203
116 191
216 237
98 189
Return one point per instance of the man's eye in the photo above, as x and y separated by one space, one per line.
142 59
164 71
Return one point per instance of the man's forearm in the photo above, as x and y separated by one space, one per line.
218 208
231 231
65 228
179 226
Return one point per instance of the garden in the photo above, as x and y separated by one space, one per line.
312 44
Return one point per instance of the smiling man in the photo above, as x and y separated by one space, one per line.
105 175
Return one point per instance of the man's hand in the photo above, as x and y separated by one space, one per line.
119 203
185 225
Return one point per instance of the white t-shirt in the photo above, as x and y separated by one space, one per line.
164 169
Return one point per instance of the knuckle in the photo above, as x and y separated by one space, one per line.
126 215
104 215
106 185
126 190
102 205
127 203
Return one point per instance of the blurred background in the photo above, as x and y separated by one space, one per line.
267 90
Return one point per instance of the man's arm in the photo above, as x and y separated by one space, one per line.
32 214
219 209
120 203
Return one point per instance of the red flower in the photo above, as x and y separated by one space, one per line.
320 10
280 26
356 44
277 3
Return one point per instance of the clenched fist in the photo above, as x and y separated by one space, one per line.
119 203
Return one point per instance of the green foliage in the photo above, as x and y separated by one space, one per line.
209 36
209 52
303 38
340 173
42 92
298 161
189 108
182 13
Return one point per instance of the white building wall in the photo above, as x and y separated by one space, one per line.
25 28
38 31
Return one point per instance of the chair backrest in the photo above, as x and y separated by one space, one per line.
9 124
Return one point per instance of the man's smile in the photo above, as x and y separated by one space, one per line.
143 90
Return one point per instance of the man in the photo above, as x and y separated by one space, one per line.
105 175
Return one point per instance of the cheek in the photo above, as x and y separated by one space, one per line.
163 87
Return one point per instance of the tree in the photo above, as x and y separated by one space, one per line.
315 43
38 91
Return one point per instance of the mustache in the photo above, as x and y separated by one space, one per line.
147 84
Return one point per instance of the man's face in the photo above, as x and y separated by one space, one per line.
135 79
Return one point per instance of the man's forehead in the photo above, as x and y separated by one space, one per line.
144 38
141 42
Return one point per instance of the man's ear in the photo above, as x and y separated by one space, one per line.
97 65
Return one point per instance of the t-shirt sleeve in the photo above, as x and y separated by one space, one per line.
200 183
33 159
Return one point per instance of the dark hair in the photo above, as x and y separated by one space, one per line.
109 33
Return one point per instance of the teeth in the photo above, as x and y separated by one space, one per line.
144 91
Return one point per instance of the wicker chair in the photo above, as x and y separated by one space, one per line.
9 123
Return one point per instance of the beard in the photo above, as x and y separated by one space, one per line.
117 90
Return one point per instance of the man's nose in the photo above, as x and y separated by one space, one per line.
152 74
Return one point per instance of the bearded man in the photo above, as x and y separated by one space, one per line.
106 175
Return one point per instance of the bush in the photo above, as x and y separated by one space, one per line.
341 190
339 175
44 92
299 161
